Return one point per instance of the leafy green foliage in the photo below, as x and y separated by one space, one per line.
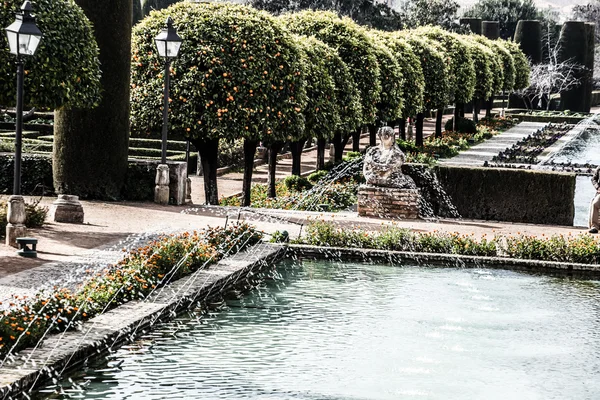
239 72
64 70
297 183
462 71
435 71
354 47
322 117
483 61
505 66
520 62
441 13
414 81
370 13
390 104
578 249
465 125
506 12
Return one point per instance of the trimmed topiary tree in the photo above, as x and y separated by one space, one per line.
461 67
490 29
354 47
520 63
573 48
53 81
91 144
474 24
487 73
414 81
435 74
503 69
590 29
391 101
321 113
239 74
528 35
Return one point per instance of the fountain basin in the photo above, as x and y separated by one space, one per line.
341 330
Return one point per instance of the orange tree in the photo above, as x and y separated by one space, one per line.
505 80
322 116
356 50
69 81
391 101
487 75
435 73
239 74
461 69
414 81
520 63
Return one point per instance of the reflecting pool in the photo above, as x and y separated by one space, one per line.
341 331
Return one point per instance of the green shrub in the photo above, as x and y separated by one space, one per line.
577 249
316 176
465 125
297 183
352 155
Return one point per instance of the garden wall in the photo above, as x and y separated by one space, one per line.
513 195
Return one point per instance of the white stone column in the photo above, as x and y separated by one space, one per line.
16 220
161 191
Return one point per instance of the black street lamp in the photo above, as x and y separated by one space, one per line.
23 39
168 43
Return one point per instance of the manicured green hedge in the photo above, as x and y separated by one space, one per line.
36 174
512 195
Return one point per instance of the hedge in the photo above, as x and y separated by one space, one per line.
513 195
528 35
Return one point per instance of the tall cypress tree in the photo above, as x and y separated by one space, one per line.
90 145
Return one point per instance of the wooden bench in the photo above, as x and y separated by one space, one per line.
25 250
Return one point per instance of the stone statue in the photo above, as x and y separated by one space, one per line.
383 163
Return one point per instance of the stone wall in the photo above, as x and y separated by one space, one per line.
385 202
513 195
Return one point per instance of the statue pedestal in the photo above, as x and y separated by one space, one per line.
387 202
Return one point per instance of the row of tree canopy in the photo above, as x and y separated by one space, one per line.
244 73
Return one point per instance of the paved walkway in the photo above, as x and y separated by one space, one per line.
482 152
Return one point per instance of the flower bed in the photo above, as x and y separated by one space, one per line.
452 142
526 150
578 249
137 275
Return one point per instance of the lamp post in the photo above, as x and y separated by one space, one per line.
23 39
168 43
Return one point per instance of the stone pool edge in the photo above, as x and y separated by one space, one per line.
444 259
108 330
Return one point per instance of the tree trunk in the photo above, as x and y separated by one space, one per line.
419 129
296 148
356 139
476 110
372 135
249 152
438 122
339 144
321 153
91 145
490 105
402 128
274 149
209 152
457 108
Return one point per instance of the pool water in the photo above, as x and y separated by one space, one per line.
341 331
